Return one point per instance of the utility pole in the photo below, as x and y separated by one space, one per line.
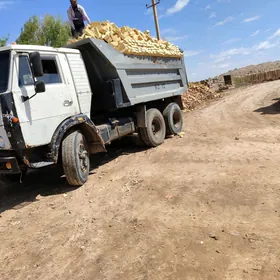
154 6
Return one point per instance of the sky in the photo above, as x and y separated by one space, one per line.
216 35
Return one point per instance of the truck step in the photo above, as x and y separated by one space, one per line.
40 164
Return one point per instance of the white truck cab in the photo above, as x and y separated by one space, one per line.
64 76
60 105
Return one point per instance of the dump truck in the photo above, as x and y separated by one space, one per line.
62 105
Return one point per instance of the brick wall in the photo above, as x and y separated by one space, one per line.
256 78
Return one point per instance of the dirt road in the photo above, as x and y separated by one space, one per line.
205 206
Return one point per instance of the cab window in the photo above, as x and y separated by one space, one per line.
51 73
4 70
25 74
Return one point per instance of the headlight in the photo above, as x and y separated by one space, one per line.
2 143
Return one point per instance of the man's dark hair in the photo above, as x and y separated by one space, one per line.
74 3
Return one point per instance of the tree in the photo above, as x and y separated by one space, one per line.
55 32
49 31
3 41
30 33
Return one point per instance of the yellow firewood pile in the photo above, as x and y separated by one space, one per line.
129 40
198 94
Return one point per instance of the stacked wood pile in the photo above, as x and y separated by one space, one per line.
129 40
198 94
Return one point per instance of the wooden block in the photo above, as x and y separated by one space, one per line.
129 40
114 44
91 33
95 24
122 47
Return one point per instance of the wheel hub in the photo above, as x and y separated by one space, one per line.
83 156
156 126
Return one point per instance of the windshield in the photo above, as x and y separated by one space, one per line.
4 70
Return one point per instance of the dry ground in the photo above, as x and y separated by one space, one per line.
255 69
205 206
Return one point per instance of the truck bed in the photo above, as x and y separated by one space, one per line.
119 80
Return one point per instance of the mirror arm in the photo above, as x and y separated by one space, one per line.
25 98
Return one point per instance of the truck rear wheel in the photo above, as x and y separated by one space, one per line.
173 118
75 158
154 134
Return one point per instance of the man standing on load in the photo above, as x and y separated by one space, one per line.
77 15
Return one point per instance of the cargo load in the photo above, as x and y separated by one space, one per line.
129 40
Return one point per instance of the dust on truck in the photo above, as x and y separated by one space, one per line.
59 106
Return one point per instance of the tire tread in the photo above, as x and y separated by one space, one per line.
144 130
166 115
69 160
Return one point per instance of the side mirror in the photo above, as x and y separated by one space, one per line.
36 64
40 86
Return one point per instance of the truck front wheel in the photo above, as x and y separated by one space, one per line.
75 158
154 134
173 118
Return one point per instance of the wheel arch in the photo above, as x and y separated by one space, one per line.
87 128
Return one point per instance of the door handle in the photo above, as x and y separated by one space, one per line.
67 103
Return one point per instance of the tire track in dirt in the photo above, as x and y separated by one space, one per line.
205 206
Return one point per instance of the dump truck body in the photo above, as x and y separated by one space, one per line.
127 80
87 93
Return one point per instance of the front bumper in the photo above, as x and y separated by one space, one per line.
12 161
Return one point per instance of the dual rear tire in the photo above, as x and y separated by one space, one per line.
154 134
173 119
160 125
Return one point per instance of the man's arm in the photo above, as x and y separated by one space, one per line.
86 18
70 18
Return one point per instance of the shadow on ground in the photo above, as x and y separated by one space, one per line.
271 109
51 181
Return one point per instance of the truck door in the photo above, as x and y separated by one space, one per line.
40 116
